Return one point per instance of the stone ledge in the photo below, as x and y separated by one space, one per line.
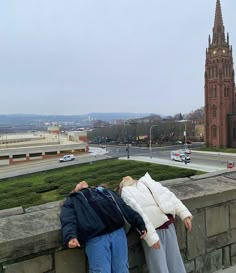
29 233
10 212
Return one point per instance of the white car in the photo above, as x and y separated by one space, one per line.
186 151
67 158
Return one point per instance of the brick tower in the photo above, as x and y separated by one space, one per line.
220 119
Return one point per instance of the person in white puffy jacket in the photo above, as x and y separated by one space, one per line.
158 207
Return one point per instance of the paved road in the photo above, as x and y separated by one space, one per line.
48 164
214 160
206 162
194 166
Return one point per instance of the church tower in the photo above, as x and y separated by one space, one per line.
219 87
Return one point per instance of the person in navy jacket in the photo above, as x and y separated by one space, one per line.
94 217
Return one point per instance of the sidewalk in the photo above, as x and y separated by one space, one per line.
169 162
231 269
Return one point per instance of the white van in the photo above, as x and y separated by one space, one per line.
179 156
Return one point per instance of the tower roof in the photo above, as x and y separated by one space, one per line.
218 29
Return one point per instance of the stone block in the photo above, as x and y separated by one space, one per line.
218 241
207 192
233 250
50 205
233 260
233 215
71 261
197 237
226 257
40 264
11 212
199 264
29 233
232 236
181 233
133 239
136 256
190 267
217 220
213 261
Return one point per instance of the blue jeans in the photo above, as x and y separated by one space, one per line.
108 253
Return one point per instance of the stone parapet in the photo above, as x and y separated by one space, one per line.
30 239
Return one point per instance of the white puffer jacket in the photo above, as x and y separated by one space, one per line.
153 201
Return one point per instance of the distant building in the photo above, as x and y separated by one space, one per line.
15 148
220 106
78 136
54 129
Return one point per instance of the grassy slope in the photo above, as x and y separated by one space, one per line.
54 185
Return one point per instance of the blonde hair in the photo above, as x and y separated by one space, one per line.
127 181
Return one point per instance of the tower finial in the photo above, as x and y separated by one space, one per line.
218 29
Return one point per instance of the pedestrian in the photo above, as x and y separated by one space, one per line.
158 207
185 160
94 217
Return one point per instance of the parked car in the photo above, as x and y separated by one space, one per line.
187 151
66 158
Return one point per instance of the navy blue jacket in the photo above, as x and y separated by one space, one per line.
92 212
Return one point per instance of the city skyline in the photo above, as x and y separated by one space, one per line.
76 57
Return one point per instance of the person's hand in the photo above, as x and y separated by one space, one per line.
157 245
188 223
73 243
144 233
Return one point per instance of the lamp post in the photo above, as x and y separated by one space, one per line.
185 130
126 124
150 140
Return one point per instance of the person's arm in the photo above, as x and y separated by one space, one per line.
188 223
130 215
69 224
167 200
151 237
169 203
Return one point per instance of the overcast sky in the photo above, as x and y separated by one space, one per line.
81 56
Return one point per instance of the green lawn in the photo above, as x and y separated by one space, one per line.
218 150
54 185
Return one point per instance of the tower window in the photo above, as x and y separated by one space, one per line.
214 131
214 110
214 92
226 91
211 91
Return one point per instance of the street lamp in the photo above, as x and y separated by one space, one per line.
185 130
126 124
150 140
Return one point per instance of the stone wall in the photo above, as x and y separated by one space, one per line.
30 239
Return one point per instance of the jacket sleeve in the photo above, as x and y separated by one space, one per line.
180 209
135 220
68 221
167 200
151 237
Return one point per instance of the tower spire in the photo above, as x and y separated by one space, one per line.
218 29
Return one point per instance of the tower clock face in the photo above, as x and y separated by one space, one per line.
214 52
223 51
